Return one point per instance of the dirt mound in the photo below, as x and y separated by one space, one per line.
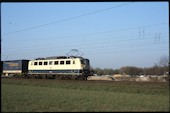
143 79
100 78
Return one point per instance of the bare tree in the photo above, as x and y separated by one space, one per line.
164 61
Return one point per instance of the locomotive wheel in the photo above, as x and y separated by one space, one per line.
60 77
43 76
67 77
80 78
53 76
73 77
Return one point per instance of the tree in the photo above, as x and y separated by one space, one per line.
130 70
106 71
98 71
116 71
164 61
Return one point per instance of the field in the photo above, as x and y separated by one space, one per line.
40 95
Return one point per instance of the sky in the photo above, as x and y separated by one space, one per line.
109 34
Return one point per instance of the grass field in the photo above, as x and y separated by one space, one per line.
38 95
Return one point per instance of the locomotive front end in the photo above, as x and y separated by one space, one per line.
85 64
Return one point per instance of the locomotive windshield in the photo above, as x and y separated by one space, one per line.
85 61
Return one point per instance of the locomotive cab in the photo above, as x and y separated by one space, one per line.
85 66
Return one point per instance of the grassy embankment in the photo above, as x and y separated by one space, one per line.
22 95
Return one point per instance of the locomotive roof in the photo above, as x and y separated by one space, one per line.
58 57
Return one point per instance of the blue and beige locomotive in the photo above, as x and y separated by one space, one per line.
61 67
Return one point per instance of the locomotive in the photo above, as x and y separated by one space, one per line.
58 67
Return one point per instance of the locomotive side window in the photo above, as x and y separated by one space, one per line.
40 63
45 63
68 62
73 62
56 63
50 62
61 62
35 63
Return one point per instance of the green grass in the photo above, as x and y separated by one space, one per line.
30 95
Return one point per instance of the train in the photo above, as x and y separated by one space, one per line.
57 67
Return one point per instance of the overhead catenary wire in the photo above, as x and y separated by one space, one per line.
98 50
134 39
91 40
103 32
88 43
66 19
44 50
90 34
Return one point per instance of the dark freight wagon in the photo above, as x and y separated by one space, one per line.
15 67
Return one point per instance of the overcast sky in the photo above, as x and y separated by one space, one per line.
109 34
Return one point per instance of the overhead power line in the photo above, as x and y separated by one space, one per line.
66 19
88 43
108 31
89 46
99 49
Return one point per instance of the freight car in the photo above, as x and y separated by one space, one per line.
60 67
15 67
